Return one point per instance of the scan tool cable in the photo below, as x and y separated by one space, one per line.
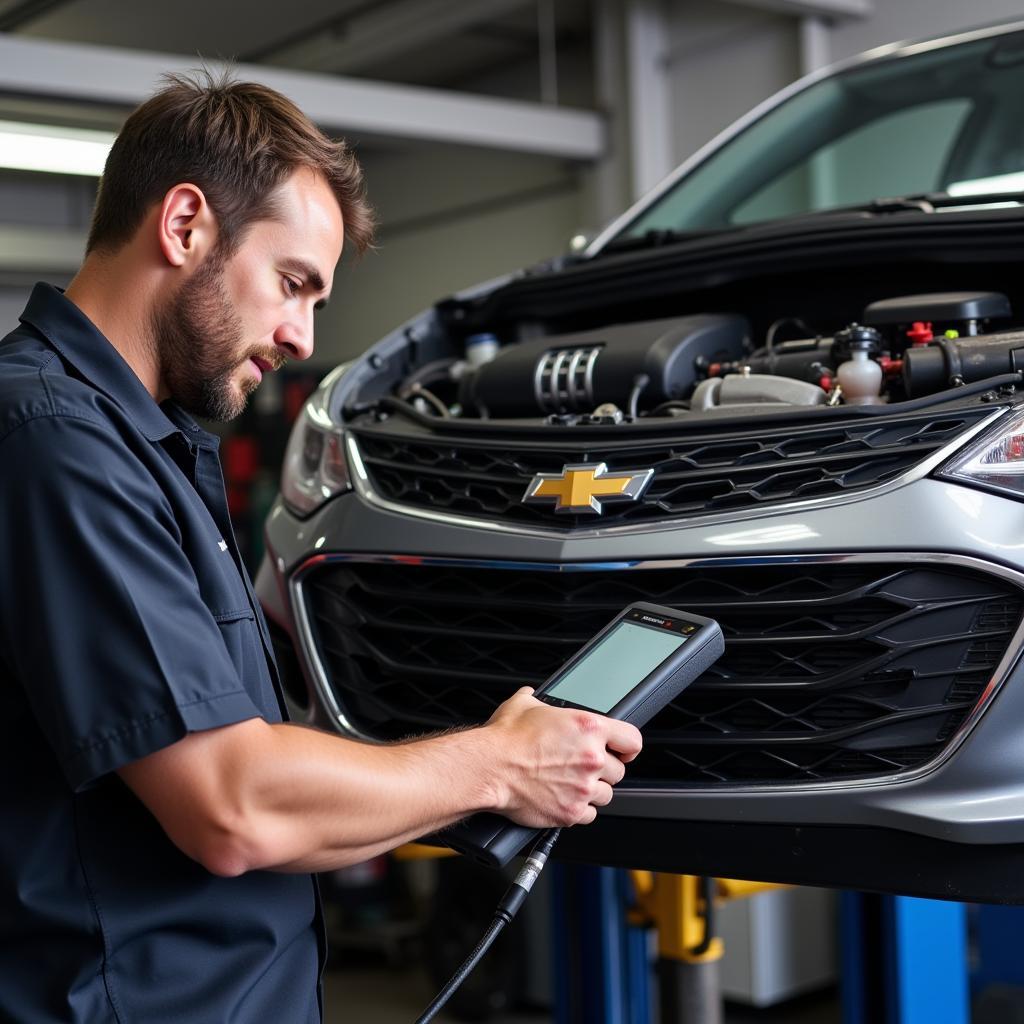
505 911
657 652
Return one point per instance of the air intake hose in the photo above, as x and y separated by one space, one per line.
948 362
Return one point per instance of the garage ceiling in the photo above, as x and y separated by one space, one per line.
437 43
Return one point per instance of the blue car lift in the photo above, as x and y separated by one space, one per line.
904 960
603 924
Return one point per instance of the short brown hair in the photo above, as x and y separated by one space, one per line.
237 141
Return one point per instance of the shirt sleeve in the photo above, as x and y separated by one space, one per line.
101 618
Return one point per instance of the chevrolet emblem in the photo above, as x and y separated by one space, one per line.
585 488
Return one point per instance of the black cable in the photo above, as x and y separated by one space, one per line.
419 391
668 406
769 340
513 899
640 381
439 369
707 891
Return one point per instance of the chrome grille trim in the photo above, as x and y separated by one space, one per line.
365 489
1007 662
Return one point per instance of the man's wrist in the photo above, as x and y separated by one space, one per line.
489 789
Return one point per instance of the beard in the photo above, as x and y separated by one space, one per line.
199 341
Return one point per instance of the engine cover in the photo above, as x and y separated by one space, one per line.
578 372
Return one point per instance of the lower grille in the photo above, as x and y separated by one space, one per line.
834 670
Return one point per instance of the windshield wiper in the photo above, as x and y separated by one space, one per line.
928 202
655 237
921 202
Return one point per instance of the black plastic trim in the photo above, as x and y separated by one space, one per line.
848 856
620 277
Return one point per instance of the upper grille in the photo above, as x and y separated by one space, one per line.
694 473
831 671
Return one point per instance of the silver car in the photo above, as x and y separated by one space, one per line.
783 391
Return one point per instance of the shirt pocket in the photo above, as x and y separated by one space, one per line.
241 636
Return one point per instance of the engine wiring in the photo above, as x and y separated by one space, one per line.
640 381
417 390
777 325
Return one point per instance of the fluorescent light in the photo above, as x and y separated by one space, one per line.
39 147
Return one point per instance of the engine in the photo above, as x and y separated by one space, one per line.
709 364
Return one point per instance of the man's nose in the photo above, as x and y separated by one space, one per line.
295 337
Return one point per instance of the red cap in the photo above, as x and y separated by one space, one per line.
920 332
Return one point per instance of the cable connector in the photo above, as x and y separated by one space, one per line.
521 885
507 907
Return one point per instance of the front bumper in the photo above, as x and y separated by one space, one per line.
973 796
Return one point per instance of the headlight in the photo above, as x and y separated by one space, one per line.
996 462
315 468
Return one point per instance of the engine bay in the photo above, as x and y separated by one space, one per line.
702 365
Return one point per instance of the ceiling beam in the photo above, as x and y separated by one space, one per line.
812 8
384 32
16 13
109 75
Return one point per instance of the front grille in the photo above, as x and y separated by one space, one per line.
695 473
833 670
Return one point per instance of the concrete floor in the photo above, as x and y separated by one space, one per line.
382 995
379 950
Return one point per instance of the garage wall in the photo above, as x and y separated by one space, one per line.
916 19
449 218
44 219
453 216
722 60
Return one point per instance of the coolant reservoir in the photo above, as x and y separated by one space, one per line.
860 377
481 348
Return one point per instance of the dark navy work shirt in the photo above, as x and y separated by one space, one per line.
126 622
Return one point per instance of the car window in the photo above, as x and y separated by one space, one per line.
902 153
888 127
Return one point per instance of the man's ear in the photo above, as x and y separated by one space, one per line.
187 229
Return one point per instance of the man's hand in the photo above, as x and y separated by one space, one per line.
558 765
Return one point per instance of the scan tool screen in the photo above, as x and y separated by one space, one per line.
627 655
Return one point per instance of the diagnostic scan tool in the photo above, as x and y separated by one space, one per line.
639 662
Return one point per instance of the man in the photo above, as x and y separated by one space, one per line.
159 819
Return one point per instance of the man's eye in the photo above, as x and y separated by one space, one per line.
292 286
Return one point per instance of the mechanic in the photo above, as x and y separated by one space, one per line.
160 819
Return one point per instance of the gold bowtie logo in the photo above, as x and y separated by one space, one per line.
585 488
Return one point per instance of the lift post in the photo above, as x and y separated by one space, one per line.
681 908
905 960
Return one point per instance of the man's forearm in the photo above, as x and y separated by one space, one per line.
282 797
285 797
377 799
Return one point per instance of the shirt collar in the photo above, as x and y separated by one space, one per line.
81 343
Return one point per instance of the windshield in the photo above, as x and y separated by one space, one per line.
944 120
